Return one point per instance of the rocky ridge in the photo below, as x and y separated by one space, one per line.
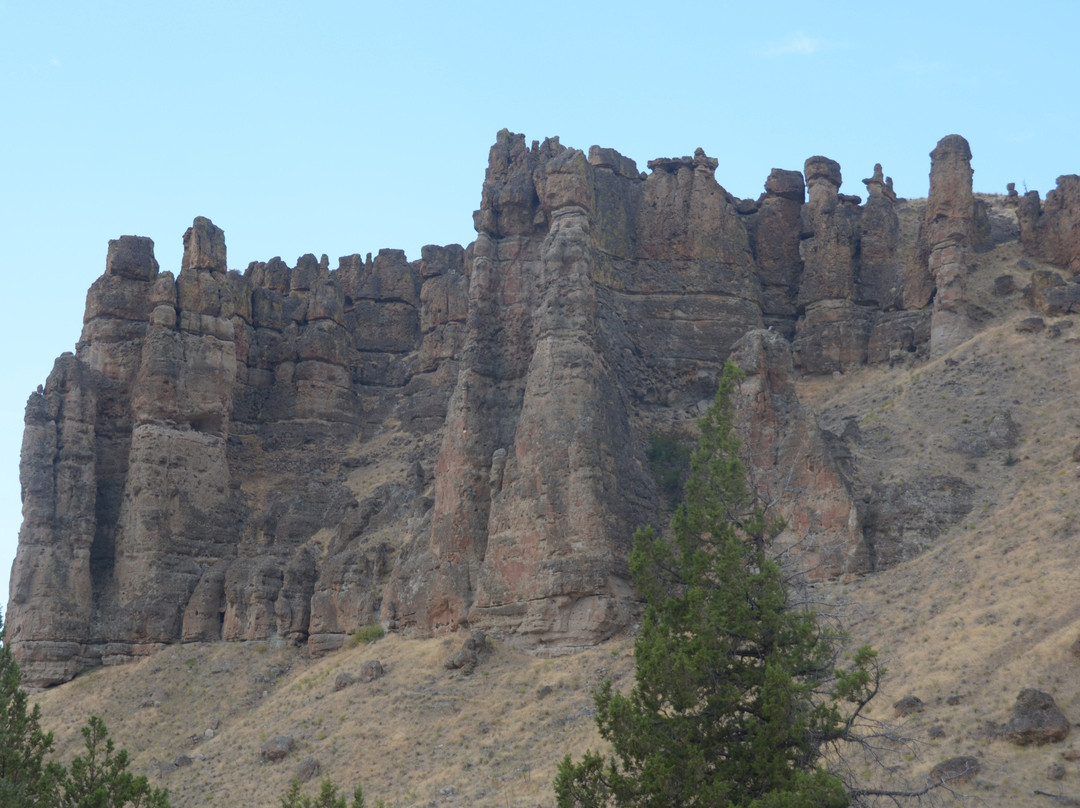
290 453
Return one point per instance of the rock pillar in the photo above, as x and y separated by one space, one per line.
947 232
832 332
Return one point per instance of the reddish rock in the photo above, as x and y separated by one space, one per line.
293 452
1050 231
947 233
792 464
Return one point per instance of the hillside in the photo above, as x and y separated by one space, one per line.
963 624
237 471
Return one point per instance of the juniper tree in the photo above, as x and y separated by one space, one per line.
27 780
735 699
99 778
328 797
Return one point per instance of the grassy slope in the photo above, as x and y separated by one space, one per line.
421 733
987 610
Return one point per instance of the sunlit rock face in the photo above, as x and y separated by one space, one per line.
291 452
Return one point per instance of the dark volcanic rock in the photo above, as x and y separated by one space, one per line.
1051 294
955 770
948 232
1050 231
903 518
292 452
1036 719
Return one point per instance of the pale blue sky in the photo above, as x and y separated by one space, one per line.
343 127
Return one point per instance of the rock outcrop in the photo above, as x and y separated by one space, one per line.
291 452
793 465
1050 231
1036 719
196 470
949 226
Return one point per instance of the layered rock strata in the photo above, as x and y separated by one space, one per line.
196 470
291 452
948 234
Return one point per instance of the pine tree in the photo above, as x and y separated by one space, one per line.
328 797
26 779
735 697
99 778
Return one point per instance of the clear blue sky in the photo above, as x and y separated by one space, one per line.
343 127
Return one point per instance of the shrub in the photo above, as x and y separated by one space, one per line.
372 632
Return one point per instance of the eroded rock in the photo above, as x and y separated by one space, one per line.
1036 719
277 748
948 232
955 770
286 454
1050 230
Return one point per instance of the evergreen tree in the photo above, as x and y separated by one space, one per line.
99 778
328 797
735 697
26 779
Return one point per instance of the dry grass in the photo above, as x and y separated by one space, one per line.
420 734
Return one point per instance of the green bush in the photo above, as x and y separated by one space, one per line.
372 632
328 797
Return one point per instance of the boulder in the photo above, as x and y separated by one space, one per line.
471 653
277 748
908 705
309 768
954 771
1036 719
1051 294
371 670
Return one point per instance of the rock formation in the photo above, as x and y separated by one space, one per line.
292 452
949 222
1051 231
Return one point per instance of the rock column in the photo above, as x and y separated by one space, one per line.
174 509
775 228
833 331
950 212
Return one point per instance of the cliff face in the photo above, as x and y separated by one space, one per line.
292 452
